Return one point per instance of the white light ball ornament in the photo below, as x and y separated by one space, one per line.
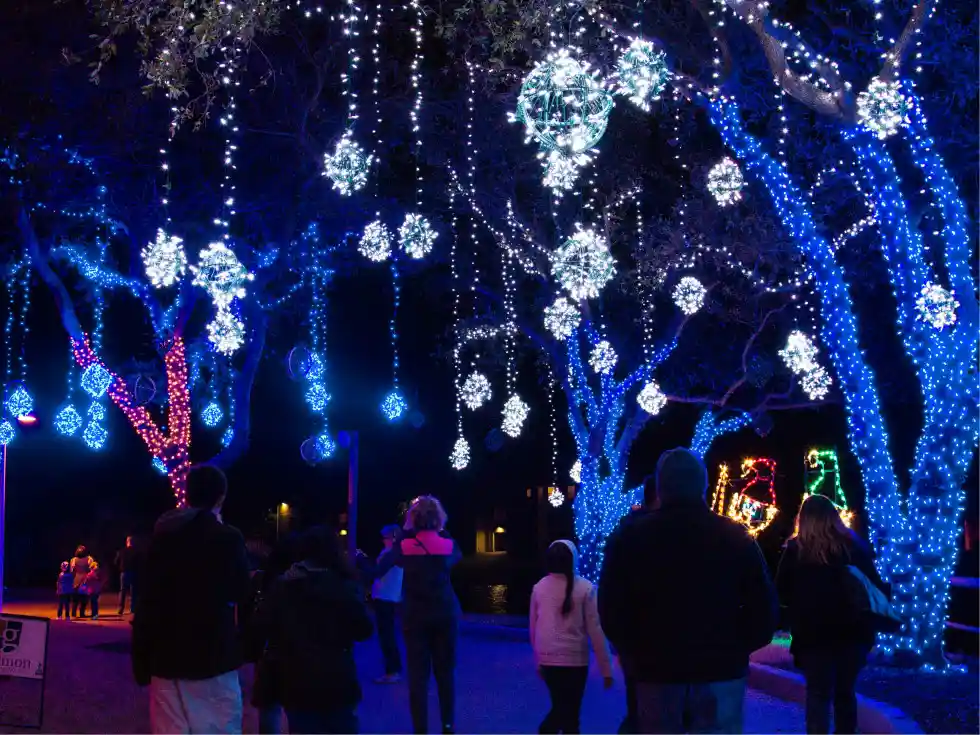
576 471
689 295
816 383
882 108
556 497
221 274
515 414
800 354
164 261
725 182
226 332
460 456
476 391
583 264
416 236
348 166
641 73
375 243
937 306
603 358
561 318
561 171
651 398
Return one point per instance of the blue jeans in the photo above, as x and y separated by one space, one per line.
714 707
337 721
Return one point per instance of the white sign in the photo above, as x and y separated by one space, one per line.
22 646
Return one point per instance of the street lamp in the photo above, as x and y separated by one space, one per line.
281 509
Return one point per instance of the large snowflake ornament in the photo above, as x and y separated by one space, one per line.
800 354
937 306
460 456
816 383
164 260
689 295
583 264
515 414
561 318
375 242
603 358
641 73
226 332
562 105
651 398
416 236
725 182
96 380
348 166
476 390
221 274
67 421
882 108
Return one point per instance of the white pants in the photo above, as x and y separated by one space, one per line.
196 707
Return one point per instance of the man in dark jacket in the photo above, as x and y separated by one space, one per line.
685 597
126 563
185 641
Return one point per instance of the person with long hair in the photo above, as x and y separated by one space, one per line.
309 621
563 619
430 609
831 638
81 565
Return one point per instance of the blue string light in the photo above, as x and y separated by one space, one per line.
709 428
67 421
159 466
19 402
7 432
95 436
212 415
393 406
95 380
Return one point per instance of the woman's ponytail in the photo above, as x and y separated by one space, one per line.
561 560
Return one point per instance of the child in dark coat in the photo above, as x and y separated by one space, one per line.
65 589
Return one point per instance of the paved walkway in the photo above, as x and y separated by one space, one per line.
90 688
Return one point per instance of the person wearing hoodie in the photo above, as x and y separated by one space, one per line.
186 645
430 609
309 621
66 590
563 619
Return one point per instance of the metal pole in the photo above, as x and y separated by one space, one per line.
3 515
352 494
278 506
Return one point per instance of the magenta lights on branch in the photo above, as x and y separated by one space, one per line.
603 358
882 108
416 236
576 471
375 243
689 295
348 166
221 274
937 306
800 356
561 318
476 391
583 264
651 398
460 456
226 332
164 261
725 182
514 415
641 73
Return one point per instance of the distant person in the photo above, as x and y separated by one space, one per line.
386 592
685 597
127 561
80 567
185 640
309 621
92 588
66 590
430 609
563 619
831 638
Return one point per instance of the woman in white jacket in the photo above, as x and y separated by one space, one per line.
563 620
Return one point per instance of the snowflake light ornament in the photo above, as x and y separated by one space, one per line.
393 406
556 497
164 261
95 380
725 182
562 105
348 166
67 421
95 436
689 295
221 274
515 414
7 433
226 332
800 354
317 397
603 358
476 390
19 402
641 73
937 306
325 446
416 236
460 456
816 383
651 398
212 415
375 242
576 471
583 264
96 411
561 318
882 108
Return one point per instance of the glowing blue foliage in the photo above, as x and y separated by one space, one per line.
96 380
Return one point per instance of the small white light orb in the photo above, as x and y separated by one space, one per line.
725 182
561 318
651 398
515 414
164 260
476 390
689 295
603 358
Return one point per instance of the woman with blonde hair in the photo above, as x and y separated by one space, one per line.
430 609
831 636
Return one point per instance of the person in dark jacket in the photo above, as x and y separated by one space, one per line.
685 597
185 640
80 567
430 609
126 563
831 639
310 620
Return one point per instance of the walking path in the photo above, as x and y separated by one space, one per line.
90 688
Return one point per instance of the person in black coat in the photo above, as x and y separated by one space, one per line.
309 620
685 597
831 636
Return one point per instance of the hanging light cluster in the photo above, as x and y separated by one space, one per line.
937 306
689 295
164 261
348 166
583 264
800 356
603 358
641 73
561 318
882 108
725 182
476 390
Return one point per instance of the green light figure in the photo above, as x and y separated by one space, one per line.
820 470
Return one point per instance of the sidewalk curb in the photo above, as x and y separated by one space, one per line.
873 716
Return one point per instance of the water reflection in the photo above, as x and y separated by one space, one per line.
498 599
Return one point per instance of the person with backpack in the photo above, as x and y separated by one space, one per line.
831 628
563 619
